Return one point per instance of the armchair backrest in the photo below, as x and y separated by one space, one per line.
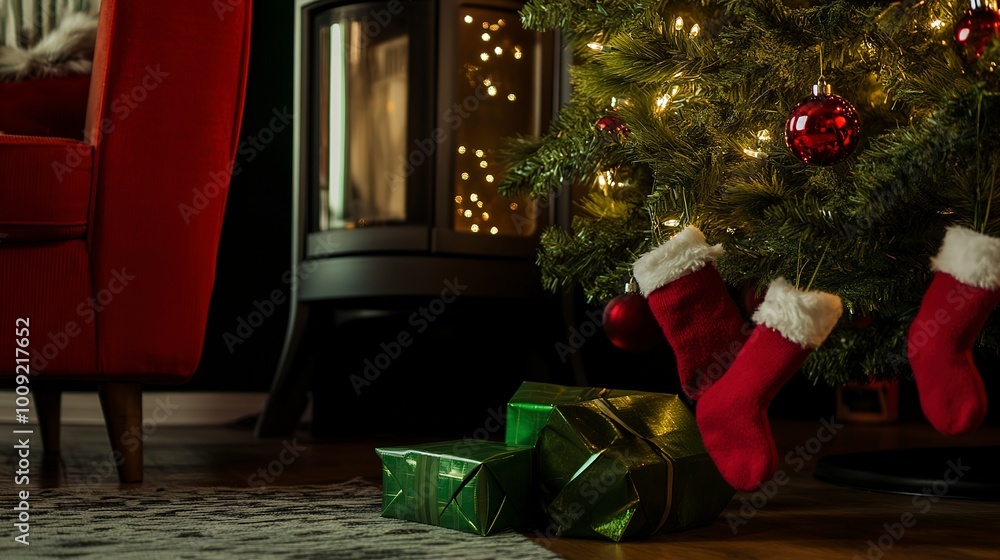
164 114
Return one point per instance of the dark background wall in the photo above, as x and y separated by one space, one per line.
254 250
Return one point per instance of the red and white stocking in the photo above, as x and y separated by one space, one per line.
963 292
688 297
732 414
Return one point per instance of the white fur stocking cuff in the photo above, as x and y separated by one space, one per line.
682 254
970 257
806 318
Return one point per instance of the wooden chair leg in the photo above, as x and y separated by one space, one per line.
48 403
122 407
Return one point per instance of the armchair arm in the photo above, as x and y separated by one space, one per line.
34 172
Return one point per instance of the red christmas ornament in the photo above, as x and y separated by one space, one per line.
611 128
630 324
823 129
974 32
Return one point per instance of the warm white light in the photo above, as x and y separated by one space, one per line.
338 146
494 230
489 178
498 51
484 56
487 82
511 97
461 149
465 176
475 228
695 29
492 90
479 204
468 19
501 22
595 46
486 36
494 27
513 206
764 135
486 215
937 24
468 214
474 197
479 153
678 23
602 181
517 53
672 222
483 164
662 102
458 199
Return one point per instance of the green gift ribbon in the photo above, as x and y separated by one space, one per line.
479 487
425 475
668 461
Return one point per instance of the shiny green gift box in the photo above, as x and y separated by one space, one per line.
625 466
528 410
481 487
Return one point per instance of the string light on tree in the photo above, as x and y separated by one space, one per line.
823 129
763 144
976 30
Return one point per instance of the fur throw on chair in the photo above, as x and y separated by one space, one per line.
67 50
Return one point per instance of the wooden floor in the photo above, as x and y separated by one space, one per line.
803 519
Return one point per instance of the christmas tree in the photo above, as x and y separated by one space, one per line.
688 114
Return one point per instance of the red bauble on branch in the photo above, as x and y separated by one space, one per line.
630 324
823 129
974 32
611 128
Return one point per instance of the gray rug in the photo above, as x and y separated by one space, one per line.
337 521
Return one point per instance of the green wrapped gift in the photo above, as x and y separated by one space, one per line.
626 467
476 486
528 410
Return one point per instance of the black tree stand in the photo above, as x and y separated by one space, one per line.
946 472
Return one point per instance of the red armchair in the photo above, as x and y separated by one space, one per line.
108 242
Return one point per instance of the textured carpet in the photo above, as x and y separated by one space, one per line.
337 521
